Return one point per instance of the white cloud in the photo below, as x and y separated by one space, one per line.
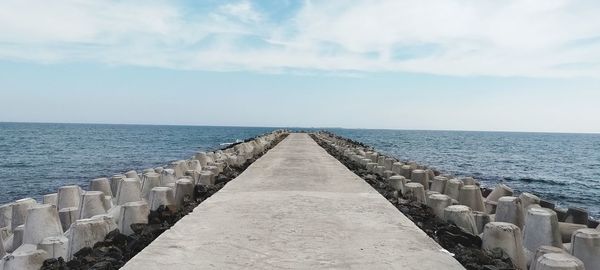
549 38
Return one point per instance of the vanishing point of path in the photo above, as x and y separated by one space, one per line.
296 207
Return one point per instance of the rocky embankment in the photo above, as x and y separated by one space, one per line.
105 226
482 228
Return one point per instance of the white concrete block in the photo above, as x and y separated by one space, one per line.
92 204
161 196
101 184
129 191
19 211
470 196
585 245
132 213
69 196
55 246
461 216
507 237
42 221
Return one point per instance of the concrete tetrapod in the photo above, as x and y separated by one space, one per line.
2 250
558 261
194 165
67 216
481 219
149 181
129 191
161 196
87 232
415 192
17 238
510 210
453 187
207 178
507 237
370 166
25 259
220 166
55 246
194 175
430 175
461 216
51 198
406 171
439 184
397 183
115 183
132 174
541 229
6 215
68 196
92 204
491 200
183 187
585 245
528 199
397 167
421 177
387 174
568 229
380 160
470 196
167 177
101 184
42 221
388 163
19 212
202 158
439 202
541 251
469 181
213 169
132 213
179 167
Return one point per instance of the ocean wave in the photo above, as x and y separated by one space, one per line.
535 180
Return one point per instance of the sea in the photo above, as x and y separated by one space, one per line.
37 158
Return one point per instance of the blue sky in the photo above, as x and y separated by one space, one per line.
467 65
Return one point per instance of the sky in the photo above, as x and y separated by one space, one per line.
515 65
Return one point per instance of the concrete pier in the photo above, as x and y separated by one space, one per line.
296 207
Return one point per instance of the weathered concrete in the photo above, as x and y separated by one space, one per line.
297 207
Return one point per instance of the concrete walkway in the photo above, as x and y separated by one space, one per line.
297 207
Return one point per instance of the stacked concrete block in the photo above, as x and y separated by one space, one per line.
491 200
470 195
35 231
461 216
585 245
507 237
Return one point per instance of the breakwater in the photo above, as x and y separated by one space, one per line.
297 207
103 227
562 168
526 229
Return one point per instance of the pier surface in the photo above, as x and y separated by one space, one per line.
296 207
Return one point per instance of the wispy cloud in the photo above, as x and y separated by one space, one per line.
540 38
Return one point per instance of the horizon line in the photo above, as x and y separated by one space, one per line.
298 127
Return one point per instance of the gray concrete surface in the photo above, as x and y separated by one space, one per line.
297 207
